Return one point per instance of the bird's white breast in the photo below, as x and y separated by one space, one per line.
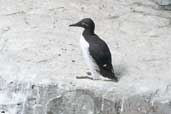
84 44
88 58
85 49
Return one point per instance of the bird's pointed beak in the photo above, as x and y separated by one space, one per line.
75 25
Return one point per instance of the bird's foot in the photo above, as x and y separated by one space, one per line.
100 78
96 78
84 77
104 78
109 79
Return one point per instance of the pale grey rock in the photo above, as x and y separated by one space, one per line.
37 50
165 4
84 101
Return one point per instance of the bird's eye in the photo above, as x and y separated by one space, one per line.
85 24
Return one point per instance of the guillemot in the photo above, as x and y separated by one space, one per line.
95 51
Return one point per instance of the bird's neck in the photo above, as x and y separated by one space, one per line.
88 32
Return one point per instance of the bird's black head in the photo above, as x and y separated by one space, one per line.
85 23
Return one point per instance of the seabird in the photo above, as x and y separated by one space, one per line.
95 51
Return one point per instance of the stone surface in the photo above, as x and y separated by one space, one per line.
164 2
42 99
40 57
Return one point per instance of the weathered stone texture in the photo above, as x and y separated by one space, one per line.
40 57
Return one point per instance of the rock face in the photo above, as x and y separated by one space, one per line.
40 99
165 4
40 57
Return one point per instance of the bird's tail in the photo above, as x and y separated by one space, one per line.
108 73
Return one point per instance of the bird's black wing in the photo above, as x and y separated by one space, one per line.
101 54
99 51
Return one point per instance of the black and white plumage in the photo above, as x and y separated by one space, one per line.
95 51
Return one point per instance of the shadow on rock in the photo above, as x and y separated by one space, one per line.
120 71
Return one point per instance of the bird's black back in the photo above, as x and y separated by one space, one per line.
101 54
98 50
